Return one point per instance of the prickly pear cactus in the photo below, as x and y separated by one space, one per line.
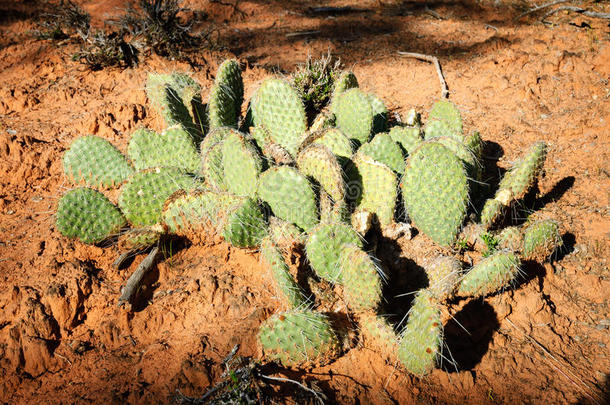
241 165
541 239
87 215
443 276
490 274
143 196
409 138
420 341
324 247
290 196
226 96
277 107
354 114
338 143
299 338
444 119
319 163
435 192
383 149
96 162
361 279
174 147
287 290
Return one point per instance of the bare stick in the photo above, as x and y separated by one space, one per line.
533 10
301 33
437 65
593 14
316 394
133 283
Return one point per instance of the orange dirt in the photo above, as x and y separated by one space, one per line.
64 340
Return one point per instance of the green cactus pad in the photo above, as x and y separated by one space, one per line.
95 161
241 165
475 144
324 246
492 211
143 196
360 278
226 96
239 220
491 274
87 215
322 121
299 338
177 98
510 238
319 163
379 188
471 164
523 175
287 290
346 80
354 114
540 240
212 168
332 211
174 147
380 114
139 238
379 335
338 143
420 342
435 192
384 149
409 138
289 195
284 234
443 276
444 119
277 107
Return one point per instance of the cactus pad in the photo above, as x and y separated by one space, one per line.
324 246
360 278
95 161
444 119
226 96
277 107
211 159
540 240
287 290
174 147
319 163
354 114
338 143
420 341
510 238
384 149
289 195
346 80
241 165
379 335
284 234
409 138
380 114
491 274
435 192
379 188
443 276
87 215
299 338
143 196
139 238
523 175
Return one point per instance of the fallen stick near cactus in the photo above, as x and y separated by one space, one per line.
128 293
437 66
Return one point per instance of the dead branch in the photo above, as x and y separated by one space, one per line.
588 13
533 10
317 395
437 65
134 281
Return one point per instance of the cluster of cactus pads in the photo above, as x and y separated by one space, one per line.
274 180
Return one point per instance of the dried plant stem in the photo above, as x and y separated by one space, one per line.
133 283
593 14
437 65
533 10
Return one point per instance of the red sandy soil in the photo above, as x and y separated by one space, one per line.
64 340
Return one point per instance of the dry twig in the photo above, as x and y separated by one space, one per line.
533 10
437 65
588 13
317 395
133 283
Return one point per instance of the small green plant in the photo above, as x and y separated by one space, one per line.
314 81
491 243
